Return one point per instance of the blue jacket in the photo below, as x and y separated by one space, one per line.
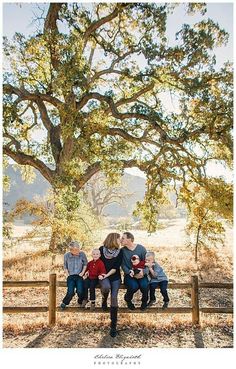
159 274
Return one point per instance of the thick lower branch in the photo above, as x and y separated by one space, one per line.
24 159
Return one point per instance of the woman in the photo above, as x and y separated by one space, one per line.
111 255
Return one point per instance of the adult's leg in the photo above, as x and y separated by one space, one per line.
163 289
105 289
143 285
70 290
115 285
132 286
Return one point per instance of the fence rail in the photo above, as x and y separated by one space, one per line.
52 309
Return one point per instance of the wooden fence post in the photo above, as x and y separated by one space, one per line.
52 299
195 300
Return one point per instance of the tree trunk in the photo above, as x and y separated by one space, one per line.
52 249
197 241
53 241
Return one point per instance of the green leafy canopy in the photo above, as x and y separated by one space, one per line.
88 98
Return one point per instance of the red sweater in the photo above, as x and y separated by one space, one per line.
140 265
95 268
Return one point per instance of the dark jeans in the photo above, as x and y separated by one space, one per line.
113 286
133 285
163 288
74 282
90 284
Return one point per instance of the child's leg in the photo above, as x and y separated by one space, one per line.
152 289
93 283
70 290
86 287
163 289
79 287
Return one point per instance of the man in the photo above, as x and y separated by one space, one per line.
134 282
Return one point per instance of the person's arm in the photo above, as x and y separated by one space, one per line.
65 265
112 271
101 270
144 271
85 263
86 274
153 271
83 271
124 266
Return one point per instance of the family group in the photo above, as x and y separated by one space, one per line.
141 272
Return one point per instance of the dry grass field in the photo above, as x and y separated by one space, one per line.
30 260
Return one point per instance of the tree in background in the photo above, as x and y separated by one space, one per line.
99 194
208 206
60 215
83 95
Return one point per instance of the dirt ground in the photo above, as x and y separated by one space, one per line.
130 335
27 261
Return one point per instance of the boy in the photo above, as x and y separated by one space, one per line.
75 263
95 268
157 278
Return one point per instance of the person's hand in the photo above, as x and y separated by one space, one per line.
102 276
85 276
81 274
140 274
131 273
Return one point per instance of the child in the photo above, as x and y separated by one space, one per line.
137 265
75 263
95 268
157 278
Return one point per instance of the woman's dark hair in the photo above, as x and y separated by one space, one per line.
130 236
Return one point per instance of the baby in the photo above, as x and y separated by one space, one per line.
157 278
137 265
95 268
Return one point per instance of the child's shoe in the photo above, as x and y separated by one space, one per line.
165 305
63 306
84 303
143 306
104 304
92 305
151 302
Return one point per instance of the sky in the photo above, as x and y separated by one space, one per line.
19 17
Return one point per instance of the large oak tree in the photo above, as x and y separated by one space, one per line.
93 80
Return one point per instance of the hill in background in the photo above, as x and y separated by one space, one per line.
134 185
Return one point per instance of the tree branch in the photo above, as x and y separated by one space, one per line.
122 116
50 24
96 24
23 94
90 171
24 159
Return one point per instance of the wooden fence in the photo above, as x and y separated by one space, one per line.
193 285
